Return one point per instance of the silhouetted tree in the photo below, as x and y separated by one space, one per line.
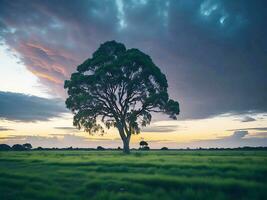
100 148
27 146
18 147
120 87
164 148
4 147
143 144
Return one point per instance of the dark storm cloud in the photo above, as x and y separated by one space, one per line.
52 38
213 52
21 107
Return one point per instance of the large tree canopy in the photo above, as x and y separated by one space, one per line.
120 87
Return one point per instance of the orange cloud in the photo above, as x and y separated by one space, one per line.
45 76
51 65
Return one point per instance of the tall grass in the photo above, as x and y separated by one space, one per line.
141 175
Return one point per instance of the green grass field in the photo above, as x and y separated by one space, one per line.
153 175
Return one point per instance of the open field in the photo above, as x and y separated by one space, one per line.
142 175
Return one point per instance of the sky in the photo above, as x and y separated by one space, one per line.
213 53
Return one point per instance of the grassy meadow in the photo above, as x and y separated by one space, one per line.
105 175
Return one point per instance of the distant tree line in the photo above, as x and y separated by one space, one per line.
16 147
143 146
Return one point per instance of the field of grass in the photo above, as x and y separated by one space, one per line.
153 175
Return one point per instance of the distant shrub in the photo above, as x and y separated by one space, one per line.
146 148
143 143
164 148
39 148
100 148
4 147
27 146
18 147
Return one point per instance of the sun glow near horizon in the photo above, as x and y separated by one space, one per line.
185 132
206 63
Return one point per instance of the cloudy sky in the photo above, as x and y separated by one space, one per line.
213 52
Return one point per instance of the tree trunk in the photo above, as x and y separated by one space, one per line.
125 138
126 148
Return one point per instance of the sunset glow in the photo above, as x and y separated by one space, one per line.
201 47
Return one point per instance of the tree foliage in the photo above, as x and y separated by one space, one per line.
120 87
143 143
27 146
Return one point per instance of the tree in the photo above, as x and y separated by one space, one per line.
4 147
18 147
120 87
143 144
164 148
27 146
100 148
